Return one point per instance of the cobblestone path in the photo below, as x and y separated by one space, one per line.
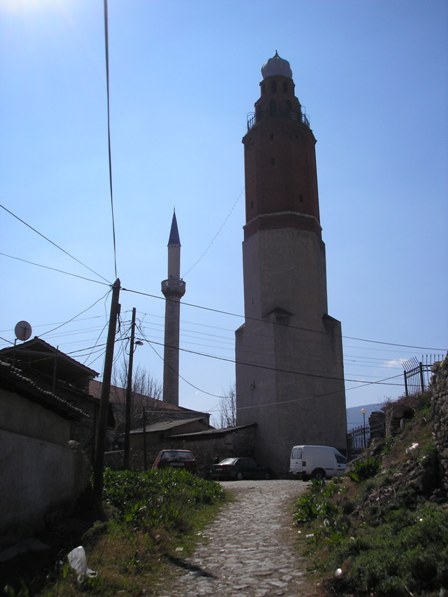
249 549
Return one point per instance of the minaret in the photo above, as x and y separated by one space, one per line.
289 372
173 289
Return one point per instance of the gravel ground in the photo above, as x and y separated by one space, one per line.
249 550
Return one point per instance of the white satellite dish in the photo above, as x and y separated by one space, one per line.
23 330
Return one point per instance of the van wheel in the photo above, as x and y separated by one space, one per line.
318 474
239 476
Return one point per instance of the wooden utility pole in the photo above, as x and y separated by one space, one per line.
104 400
129 392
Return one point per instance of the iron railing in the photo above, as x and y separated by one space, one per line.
253 118
417 374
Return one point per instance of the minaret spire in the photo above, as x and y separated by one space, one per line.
173 288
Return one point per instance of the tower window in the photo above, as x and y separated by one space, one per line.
251 204
274 86
301 198
285 87
273 108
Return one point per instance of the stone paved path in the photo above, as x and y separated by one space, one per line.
249 549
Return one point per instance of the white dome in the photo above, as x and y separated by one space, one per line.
276 66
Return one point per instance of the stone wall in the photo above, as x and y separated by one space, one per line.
439 403
207 447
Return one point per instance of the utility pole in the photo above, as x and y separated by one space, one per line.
104 400
129 392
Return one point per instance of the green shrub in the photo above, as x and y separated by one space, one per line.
364 469
407 554
157 497
316 503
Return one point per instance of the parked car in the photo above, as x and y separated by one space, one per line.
176 459
239 468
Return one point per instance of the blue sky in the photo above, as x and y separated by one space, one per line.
184 74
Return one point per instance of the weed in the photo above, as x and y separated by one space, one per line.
364 469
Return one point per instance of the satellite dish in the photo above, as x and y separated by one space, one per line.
22 330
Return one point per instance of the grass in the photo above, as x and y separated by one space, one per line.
383 528
150 518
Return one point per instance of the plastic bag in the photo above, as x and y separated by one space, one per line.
78 561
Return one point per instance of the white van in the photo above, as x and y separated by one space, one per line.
316 462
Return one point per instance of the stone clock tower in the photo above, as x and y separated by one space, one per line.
289 372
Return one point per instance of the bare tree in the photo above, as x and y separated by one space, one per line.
146 394
227 408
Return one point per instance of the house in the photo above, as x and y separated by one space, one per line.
43 471
57 372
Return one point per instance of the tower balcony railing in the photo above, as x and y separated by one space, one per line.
173 287
254 118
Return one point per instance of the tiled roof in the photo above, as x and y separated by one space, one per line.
165 425
13 379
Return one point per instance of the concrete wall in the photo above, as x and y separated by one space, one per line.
41 475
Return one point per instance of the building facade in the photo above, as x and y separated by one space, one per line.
289 360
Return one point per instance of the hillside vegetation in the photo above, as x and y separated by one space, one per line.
383 528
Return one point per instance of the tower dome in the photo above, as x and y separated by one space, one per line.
276 66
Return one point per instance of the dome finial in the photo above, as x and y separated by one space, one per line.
276 66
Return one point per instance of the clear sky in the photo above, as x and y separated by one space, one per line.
184 74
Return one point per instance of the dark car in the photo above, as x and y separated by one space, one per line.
239 468
182 459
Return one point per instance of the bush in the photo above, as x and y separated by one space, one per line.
364 469
316 503
157 497
408 554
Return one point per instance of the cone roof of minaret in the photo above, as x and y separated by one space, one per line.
276 66
174 232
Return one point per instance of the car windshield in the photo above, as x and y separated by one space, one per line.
339 458
177 455
228 461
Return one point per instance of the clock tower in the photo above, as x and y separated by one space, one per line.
289 371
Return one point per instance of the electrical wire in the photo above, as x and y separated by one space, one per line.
277 370
73 318
106 42
55 269
216 235
53 243
221 312
180 376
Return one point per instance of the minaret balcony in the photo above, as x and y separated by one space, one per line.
173 287
254 118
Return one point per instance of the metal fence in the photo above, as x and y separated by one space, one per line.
417 374
357 440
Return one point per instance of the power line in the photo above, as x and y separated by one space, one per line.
81 313
277 370
60 271
106 42
216 235
53 243
229 313
181 377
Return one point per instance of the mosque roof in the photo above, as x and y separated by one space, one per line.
276 66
